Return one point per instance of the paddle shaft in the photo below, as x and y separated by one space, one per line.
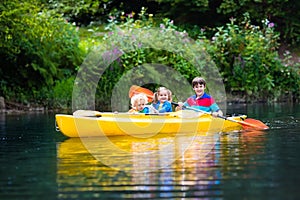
219 116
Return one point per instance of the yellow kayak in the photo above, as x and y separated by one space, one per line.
94 124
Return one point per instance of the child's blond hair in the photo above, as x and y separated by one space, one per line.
137 98
155 96
169 95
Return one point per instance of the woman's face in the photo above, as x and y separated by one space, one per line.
163 96
199 89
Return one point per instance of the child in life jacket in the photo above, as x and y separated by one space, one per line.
201 100
138 104
162 99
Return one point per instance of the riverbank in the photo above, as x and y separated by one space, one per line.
9 107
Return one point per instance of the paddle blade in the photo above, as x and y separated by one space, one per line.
254 124
137 89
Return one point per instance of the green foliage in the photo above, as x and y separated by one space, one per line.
194 5
290 80
39 49
281 12
258 9
36 47
248 60
195 12
62 93
245 54
81 12
145 41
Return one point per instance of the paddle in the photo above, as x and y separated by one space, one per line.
137 89
247 123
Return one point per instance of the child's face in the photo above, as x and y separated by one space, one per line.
140 104
163 96
199 89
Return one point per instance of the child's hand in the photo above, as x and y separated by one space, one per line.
216 114
179 107
180 104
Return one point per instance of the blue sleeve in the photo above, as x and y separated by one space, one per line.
167 107
185 104
145 110
214 107
155 105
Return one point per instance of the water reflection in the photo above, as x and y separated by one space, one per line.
36 163
163 174
239 157
199 172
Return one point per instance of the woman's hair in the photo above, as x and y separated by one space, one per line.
137 98
198 80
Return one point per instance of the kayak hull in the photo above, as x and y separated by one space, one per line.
111 124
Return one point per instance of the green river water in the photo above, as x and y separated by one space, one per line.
37 162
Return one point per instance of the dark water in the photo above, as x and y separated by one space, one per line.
37 162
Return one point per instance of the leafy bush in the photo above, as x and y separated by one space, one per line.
37 47
282 12
246 56
62 93
248 60
81 12
139 42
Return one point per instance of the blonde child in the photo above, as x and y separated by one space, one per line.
155 97
161 100
138 104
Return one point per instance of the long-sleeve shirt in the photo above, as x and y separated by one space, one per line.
205 103
162 108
